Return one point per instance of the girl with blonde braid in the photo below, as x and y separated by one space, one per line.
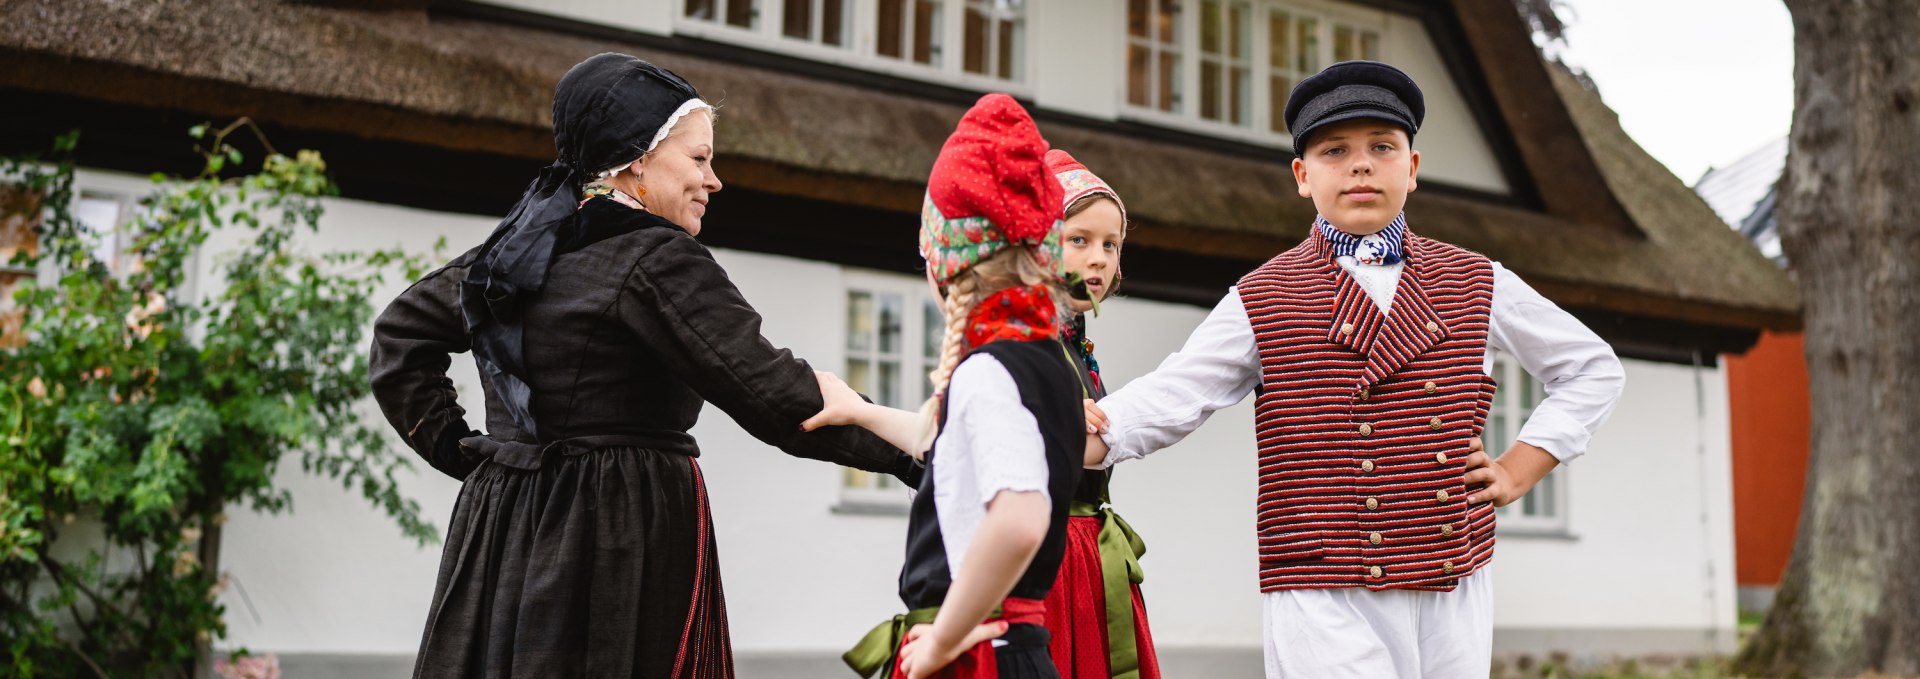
1005 433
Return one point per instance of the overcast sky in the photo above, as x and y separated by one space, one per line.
1698 83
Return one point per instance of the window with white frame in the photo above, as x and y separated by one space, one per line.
826 22
1226 46
893 338
1153 55
1243 57
909 30
1543 508
737 13
905 37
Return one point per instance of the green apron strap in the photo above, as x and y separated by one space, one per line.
1120 552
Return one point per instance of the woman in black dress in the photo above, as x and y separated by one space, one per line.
582 544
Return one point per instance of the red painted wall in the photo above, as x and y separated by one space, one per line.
1769 412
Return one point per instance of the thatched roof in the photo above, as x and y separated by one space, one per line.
1613 231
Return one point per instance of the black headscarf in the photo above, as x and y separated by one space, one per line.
606 111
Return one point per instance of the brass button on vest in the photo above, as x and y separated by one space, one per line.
1365 393
1376 572
1446 529
1366 430
1446 566
1440 458
1431 387
1374 538
1441 496
1346 328
1434 423
1373 503
1433 327
1366 465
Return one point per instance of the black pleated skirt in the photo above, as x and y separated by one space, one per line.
600 564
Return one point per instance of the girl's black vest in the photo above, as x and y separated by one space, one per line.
1050 389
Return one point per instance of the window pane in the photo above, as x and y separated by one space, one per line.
859 321
1548 490
888 393
700 9
1238 95
1139 74
1209 27
1137 17
1370 46
854 478
1278 87
860 375
741 12
1306 45
974 32
1209 90
1168 8
1278 54
101 219
1342 43
926 32
833 22
1169 82
891 319
799 13
1012 48
934 328
1238 39
889 29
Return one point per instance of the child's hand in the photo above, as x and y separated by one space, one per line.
922 655
1096 419
1503 481
842 403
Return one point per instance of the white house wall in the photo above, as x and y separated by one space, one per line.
1645 566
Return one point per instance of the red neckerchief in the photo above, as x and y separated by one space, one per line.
1018 313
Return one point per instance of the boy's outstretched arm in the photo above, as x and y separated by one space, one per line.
1217 368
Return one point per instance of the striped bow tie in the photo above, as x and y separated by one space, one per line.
1378 249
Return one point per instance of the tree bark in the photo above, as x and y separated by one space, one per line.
1849 602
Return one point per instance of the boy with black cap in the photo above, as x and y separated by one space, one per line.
1371 348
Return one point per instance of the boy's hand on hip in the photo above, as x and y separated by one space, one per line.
1501 482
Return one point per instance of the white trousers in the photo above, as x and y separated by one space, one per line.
1356 633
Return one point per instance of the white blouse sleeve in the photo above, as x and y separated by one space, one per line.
1582 376
1003 439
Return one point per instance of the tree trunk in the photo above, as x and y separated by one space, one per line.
1850 222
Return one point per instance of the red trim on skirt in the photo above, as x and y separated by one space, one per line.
1077 611
979 662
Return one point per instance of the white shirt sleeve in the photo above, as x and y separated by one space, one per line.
1582 377
1003 439
1217 368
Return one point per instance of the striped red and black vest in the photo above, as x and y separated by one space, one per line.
1363 419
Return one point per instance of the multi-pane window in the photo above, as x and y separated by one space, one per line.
823 21
1247 55
1153 54
1544 507
1298 46
739 13
908 37
909 30
994 33
19 214
1225 54
894 336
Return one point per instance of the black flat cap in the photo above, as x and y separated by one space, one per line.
1350 90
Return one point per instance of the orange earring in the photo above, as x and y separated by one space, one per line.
639 191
